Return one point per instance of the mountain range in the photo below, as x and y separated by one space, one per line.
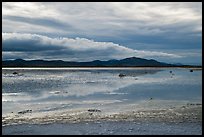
127 62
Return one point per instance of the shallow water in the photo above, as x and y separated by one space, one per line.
106 128
59 95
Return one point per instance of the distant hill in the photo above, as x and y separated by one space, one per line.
127 62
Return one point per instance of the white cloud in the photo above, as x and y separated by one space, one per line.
112 18
33 46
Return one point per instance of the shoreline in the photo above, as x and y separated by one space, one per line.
106 128
182 114
81 68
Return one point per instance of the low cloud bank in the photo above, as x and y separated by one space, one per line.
33 46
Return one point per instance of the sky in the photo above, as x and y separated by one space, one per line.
84 31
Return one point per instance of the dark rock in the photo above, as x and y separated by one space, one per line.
198 104
170 71
94 110
121 75
25 111
191 70
15 73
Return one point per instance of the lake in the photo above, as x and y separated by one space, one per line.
74 95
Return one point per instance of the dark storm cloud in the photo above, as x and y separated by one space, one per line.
27 45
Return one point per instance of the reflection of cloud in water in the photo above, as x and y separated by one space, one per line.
77 83
13 97
111 85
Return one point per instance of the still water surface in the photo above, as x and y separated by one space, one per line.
58 91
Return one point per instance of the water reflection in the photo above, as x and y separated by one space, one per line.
59 90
